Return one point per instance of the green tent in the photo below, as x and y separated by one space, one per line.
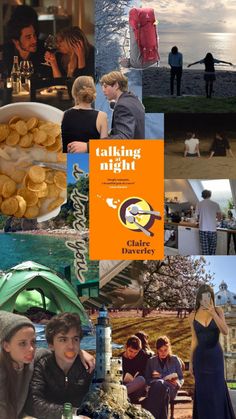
33 285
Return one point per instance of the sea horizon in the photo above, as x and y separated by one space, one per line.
194 45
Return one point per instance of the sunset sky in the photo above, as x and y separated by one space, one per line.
201 15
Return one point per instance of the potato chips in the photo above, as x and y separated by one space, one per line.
29 190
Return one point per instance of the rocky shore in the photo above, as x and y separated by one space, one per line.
156 83
64 232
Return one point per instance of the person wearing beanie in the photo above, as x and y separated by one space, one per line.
17 340
18 356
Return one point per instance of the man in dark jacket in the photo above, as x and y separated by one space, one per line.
23 42
134 361
128 121
60 377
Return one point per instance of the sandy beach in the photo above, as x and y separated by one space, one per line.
156 83
179 167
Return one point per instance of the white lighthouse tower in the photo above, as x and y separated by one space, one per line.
108 371
103 346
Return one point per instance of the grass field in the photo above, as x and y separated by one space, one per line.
189 104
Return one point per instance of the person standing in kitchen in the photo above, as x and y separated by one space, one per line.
208 213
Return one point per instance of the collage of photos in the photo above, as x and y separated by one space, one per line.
117 268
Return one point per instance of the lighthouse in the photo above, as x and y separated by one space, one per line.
103 346
108 371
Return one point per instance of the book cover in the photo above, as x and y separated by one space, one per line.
126 199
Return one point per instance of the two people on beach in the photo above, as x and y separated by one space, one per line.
220 146
82 122
175 60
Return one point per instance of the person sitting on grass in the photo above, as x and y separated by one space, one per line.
134 361
191 146
164 376
145 344
60 376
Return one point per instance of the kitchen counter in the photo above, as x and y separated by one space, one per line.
227 230
188 238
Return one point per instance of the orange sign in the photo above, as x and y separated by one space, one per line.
126 199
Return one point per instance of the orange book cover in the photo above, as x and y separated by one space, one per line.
126 199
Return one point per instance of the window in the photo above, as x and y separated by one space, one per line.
221 191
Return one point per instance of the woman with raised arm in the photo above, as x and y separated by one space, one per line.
211 399
209 74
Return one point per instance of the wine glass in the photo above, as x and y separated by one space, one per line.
26 68
26 71
50 45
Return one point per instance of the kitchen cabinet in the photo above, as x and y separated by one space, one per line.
188 241
221 247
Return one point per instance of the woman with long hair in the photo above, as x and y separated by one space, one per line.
211 399
18 340
82 123
164 376
145 344
209 74
75 55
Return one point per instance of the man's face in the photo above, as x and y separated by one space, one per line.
131 353
66 347
27 41
111 92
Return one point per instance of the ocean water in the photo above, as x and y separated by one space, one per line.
88 342
48 251
195 45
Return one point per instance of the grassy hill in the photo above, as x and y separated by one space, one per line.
177 330
189 104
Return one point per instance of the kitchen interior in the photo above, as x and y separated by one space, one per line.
181 224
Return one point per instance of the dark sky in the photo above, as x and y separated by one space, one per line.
178 124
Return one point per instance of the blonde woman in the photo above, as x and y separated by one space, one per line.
82 123
211 400
75 55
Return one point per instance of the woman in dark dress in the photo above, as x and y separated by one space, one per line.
75 55
209 74
219 146
211 399
82 123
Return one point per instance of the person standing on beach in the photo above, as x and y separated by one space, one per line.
175 61
208 211
209 74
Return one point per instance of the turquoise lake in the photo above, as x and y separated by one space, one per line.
48 251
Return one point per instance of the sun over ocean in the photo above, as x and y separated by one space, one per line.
195 45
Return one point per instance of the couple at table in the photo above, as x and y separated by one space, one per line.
82 123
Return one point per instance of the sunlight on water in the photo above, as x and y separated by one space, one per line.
194 47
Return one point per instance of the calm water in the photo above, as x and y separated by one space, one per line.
194 47
49 251
88 342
